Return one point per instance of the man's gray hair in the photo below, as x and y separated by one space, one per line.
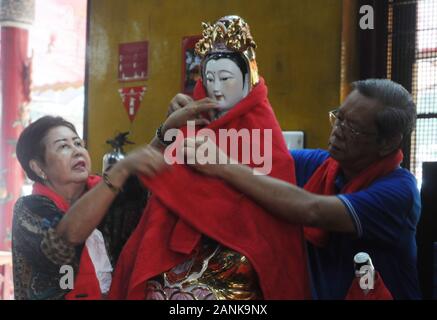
399 112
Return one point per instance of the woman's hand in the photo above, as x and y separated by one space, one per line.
182 109
205 156
144 160
89 210
178 102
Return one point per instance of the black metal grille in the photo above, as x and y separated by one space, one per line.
412 61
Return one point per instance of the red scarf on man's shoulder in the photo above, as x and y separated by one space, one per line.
379 291
86 284
186 204
323 182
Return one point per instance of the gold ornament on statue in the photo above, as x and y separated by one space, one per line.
229 34
235 37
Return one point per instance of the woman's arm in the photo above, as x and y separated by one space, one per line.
123 216
87 212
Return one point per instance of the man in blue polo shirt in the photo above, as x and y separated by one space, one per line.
353 197
385 216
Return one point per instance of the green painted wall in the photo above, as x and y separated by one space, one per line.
298 54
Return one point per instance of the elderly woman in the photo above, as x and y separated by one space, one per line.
63 245
199 239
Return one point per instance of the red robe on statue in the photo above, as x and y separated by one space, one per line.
186 204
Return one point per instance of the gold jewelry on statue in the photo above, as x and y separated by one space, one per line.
229 34
235 37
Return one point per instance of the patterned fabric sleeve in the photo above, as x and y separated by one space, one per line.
35 220
38 252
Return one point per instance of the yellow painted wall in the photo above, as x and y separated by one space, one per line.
298 54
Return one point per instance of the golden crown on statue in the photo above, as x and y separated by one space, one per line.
219 37
229 34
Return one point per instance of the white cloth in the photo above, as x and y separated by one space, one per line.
99 256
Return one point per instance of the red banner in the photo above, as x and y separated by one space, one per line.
132 98
133 61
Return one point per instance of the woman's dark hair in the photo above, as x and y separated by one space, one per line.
30 145
234 56
398 114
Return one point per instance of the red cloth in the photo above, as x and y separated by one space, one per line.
86 284
379 291
187 204
323 182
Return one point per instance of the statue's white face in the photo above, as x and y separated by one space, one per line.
224 83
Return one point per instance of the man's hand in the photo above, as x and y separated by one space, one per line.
205 156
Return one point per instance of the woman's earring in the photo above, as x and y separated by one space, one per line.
43 176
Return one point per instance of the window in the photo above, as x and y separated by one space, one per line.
424 144
57 41
412 61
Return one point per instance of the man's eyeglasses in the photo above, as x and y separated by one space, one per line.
335 121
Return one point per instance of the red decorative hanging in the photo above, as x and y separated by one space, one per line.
133 61
132 98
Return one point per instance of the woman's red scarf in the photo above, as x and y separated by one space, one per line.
186 204
86 284
323 182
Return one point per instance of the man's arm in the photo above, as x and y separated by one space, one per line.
280 198
288 201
